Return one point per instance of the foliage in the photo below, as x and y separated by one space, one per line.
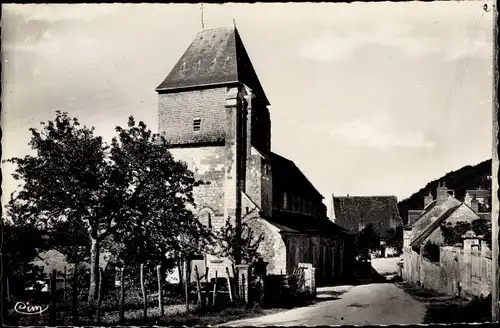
452 233
431 251
20 247
132 189
367 239
482 227
248 243
395 239
466 178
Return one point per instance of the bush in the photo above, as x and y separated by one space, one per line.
285 291
431 251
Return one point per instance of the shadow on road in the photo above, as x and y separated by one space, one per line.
449 309
364 273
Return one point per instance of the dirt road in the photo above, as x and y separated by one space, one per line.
373 304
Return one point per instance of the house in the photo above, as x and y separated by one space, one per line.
479 199
426 229
54 260
213 111
354 213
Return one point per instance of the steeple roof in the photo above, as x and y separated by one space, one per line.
215 57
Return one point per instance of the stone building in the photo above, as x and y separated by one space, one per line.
478 199
426 228
213 111
354 213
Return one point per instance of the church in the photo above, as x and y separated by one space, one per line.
214 113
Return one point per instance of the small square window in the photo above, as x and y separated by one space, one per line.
197 124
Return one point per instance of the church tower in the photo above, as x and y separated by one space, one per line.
212 109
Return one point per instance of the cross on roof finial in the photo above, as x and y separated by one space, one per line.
202 23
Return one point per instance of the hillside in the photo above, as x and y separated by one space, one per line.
468 177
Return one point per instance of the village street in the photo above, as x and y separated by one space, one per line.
360 305
375 303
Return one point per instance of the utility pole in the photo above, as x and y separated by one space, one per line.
495 166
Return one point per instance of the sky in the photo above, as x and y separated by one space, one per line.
366 98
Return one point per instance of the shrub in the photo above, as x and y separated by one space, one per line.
431 251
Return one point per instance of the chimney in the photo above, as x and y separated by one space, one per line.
474 204
442 193
428 199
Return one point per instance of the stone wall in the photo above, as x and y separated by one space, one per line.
458 266
176 112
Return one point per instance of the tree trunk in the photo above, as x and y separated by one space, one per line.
160 290
122 294
94 269
144 296
99 298
179 269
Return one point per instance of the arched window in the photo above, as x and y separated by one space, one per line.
209 220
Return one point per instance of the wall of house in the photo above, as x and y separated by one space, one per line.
327 255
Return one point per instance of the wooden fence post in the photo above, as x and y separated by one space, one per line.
207 291
187 280
53 280
144 296
198 286
65 286
7 287
229 285
160 290
122 294
215 289
237 282
74 296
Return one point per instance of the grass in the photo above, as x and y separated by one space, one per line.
174 316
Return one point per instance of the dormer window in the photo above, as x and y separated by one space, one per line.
197 124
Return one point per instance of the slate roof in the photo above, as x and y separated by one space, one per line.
288 176
479 193
296 222
377 210
485 216
426 225
215 57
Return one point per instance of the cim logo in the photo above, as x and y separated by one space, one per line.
26 308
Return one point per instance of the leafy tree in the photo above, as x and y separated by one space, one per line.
161 205
20 247
482 227
368 239
131 186
247 245
431 251
395 239
453 232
